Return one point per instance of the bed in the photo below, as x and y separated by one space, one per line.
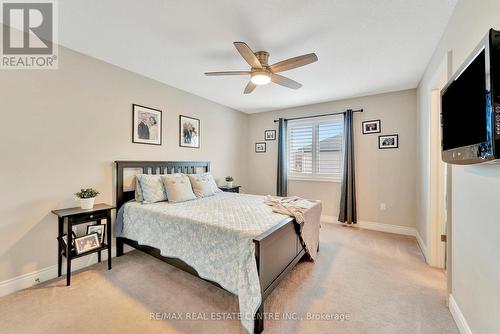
270 246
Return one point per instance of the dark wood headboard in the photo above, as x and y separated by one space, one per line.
153 167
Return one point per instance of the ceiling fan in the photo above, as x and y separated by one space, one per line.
261 73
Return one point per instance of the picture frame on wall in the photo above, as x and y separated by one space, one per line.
270 135
373 126
260 147
388 141
146 125
189 132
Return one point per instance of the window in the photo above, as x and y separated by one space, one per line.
315 148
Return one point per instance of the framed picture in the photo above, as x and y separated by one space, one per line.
371 127
270 135
64 240
146 125
388 141
260 147
99 229
87 243
189 132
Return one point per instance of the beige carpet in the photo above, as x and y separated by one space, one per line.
380 280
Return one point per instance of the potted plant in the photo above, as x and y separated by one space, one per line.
229 181
87 198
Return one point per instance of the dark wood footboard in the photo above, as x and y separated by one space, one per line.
277 251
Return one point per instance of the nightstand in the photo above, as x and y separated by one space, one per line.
67 218
233 189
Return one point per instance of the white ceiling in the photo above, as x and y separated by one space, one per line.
364 46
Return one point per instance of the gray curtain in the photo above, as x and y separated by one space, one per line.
282 182
348 212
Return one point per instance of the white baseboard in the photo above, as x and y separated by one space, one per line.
404 230
328 219
459 318
31 279
422 246
27 280
396 229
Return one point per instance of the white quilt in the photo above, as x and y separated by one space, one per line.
213 235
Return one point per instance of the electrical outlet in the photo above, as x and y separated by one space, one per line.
382 207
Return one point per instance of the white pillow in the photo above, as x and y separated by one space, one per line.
203 184
152 188
178 188
214 185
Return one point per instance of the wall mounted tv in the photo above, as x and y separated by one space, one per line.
470 107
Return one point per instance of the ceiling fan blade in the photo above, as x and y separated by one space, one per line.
227 73
284 81
294 62
247 54
249 88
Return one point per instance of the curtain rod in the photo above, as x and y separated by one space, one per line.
314 116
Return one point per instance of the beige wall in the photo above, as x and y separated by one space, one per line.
475 266
383 176
63 129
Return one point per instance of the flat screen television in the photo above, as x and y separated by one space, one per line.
470 107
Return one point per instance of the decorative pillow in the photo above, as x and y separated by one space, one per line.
215 187
203 184
178 188
152 188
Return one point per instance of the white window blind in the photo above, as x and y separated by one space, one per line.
315 148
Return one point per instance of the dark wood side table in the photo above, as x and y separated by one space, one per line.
75 216
233 189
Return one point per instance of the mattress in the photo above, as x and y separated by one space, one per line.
214 235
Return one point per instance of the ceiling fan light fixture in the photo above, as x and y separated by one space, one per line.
261 73
261 78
